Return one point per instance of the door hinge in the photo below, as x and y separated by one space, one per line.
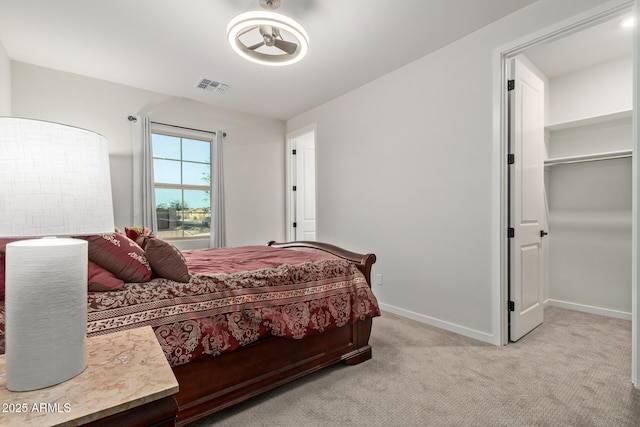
512 306
511 232
511 84
295 224
511 159
295 188
293 152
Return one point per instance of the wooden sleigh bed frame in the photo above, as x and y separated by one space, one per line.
210 385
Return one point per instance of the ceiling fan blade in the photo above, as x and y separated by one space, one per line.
288 47
255 46
245 31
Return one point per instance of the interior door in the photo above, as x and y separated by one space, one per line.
526 198
305 183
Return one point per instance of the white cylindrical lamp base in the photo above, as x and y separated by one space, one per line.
45 312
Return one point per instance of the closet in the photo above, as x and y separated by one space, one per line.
588 185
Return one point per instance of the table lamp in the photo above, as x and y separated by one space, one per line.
54 183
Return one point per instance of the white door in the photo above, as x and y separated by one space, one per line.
305 185
526 180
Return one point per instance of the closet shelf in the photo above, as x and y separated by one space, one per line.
589 120
589 219
589 157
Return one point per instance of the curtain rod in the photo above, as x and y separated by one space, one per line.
133 119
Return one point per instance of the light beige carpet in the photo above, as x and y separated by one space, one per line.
574 370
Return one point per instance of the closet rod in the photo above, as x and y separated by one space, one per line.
133 119
589 158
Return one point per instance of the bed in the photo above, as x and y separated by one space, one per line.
242 321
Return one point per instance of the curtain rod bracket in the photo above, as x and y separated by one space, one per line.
132 119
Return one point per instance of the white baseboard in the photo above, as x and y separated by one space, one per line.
588 309
447 326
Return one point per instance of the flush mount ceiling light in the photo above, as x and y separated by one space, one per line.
266 37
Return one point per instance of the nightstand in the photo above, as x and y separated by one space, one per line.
128 381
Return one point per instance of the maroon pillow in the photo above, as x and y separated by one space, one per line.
166 260
101 280
119 255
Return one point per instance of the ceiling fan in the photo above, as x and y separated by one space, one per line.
267 37
271 37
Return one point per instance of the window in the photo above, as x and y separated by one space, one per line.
182 182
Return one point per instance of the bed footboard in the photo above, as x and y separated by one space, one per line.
212 384
364 262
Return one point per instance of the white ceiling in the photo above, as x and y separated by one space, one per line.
600 43
167 46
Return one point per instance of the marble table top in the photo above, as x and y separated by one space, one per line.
125 369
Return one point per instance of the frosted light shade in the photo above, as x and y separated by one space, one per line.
54 180
249 20
45 312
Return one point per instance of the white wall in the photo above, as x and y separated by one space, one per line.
254 146
404 168
5 82
594 91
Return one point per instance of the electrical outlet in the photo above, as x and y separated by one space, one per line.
379 279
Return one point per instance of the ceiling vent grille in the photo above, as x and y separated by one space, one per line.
212 85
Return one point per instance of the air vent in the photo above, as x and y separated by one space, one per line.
213 86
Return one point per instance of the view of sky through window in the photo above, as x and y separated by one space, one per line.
182 177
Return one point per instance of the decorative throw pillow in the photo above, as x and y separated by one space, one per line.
100 280
167 261
119 255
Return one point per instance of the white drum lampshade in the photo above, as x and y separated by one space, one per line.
54 181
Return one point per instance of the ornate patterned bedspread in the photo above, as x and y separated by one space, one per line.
216 313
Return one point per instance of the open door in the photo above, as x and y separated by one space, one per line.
305 194
526 198
301 185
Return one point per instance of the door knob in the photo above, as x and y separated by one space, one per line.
543 233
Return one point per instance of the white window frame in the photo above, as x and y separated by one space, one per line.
186 134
